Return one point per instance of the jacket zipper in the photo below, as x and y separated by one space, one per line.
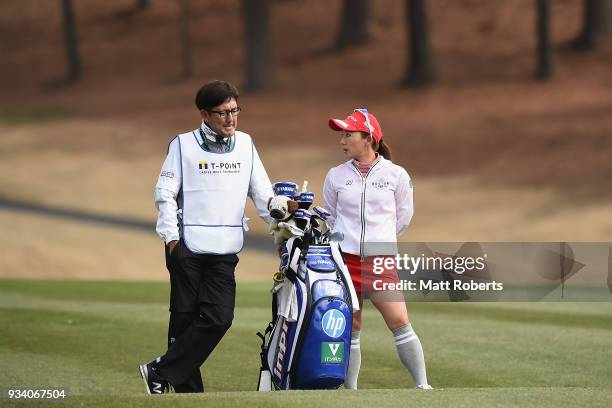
363 225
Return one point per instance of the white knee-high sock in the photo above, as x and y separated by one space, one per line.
411 353
350 382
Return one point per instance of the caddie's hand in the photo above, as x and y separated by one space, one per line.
171 246
292 206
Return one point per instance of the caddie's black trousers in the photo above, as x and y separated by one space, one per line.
202 299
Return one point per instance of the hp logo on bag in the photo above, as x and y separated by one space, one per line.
333 323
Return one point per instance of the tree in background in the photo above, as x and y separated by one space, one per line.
354 24
420 67
73 56
544 51
597 21
258 52
186 54
143 4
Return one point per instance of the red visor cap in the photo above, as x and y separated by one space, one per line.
356 122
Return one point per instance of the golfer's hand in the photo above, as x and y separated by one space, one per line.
171 246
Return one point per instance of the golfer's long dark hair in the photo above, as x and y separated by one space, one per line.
383 149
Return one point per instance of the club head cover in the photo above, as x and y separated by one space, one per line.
279 207
292 206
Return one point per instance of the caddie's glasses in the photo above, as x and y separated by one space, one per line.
364 112
225 113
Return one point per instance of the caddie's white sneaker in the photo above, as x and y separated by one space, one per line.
424 387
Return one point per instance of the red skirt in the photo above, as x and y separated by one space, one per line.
370 275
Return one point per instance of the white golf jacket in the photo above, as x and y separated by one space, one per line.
371 210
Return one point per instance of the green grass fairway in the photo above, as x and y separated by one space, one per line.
90 337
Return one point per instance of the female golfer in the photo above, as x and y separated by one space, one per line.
370 201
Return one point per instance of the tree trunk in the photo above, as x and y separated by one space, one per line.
544 51
420 67
258 52
186 54
597 21
73 57
354 24
143 4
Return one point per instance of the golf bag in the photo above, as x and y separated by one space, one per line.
308 341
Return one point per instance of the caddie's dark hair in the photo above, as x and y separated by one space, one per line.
214 93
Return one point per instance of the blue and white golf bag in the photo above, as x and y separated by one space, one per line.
307 344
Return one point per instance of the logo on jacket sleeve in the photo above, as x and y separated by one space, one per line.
333 323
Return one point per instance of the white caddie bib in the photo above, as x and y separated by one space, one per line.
215 188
